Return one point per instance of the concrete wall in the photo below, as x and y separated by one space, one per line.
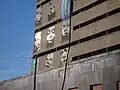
104 69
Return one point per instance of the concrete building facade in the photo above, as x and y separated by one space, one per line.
94 58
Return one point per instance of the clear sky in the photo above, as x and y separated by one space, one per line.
16 37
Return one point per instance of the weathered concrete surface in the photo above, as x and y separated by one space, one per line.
103 69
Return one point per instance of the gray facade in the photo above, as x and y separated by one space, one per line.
92 23
94 58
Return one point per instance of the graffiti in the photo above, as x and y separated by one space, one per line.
51 13
50 36
65 30
63 55
49 60
38 17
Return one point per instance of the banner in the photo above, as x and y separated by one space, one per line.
66 9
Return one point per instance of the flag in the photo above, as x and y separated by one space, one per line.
66 9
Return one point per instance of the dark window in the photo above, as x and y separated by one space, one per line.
118 85
75 88
96 87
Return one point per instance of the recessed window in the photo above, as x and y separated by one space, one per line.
52 12
65 30
96 87
118 85
37 42
49 60
50 36
38 18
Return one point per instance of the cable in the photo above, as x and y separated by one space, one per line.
11 65
21 54
15 62
71 9
17 65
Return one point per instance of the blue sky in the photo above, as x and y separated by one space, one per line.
16 37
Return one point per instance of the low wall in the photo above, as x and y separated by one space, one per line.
104 69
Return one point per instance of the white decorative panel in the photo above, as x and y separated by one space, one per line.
37 42
65 30
51 13
50 36
38 17
49 60
63 57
